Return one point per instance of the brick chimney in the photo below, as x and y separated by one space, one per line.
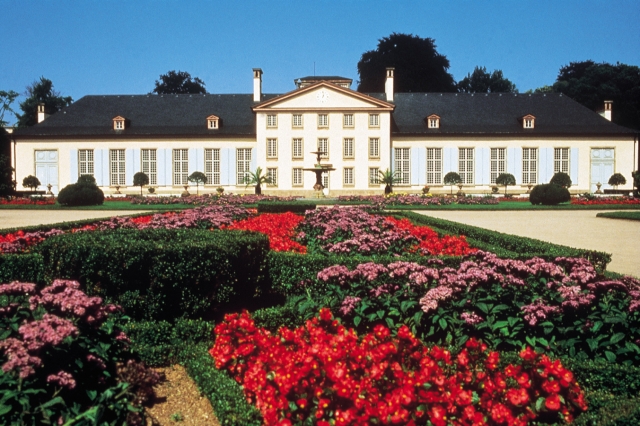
388 84
257 84
42 115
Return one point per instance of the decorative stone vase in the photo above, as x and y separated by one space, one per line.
529 186
49 186
494 189
460 193
151 190
219 190
598 185
186 192
118 189
425 190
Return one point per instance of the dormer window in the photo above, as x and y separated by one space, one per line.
433 121
213 122
528 121
119 123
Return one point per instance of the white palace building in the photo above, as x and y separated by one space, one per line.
421 135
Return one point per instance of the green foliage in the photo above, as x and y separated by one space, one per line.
99 390
280 207
161 343
85 192
561 179
140 179
591 84
41 92
26 268
419 66
7 184
274 317
179 82
389 178
31 182
549 194
482 81
452 178
617 179
6 99
198 178
161 273
226 396
505 179
257 178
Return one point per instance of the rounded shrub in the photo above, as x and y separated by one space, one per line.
549 194
83 193
617 179
561 179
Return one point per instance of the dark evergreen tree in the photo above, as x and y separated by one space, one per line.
179 82
41 92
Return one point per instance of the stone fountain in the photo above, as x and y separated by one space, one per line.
319 169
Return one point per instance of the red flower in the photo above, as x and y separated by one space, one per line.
552 402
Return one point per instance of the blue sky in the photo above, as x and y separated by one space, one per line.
121 47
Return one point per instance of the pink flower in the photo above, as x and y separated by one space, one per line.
62 378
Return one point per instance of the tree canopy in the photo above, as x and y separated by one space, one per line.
6 99
179 82
591 84
419 66
483 81
41 91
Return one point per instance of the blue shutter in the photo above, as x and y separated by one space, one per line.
193 161
393 160
168 166
514 163
73 165
98 167
128 167
199 159
232 167
224 166
415 166
574 166
482 166
137 164
546 164
422 178
160 160
254 159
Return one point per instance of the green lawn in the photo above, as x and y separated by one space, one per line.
621 215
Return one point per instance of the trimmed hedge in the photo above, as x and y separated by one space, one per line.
549 194
226 395
275 207
27 268
510 246
161 274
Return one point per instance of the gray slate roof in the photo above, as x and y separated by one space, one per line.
478 114
497 113
151 115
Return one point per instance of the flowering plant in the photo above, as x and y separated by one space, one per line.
64 359
278 227
322 372
21 201
588 201
562 306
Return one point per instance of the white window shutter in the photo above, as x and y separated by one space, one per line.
98 166
224 166
232 167
160 167
128 167
415 166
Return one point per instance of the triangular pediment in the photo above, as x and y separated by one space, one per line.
324 96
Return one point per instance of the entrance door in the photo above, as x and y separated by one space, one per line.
602 167
47 169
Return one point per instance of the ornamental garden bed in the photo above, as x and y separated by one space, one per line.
340 316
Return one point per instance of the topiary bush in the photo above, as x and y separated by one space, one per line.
549 194
65 360
561 179
85 192
617 179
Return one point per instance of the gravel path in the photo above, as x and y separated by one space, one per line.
573 228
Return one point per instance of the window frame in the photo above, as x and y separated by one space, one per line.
403 165
466 165
293 121
295 182
272 172
527 162
212 165
348 123
117 167
243 165
326 151
179 165
374 120
272 148
272 121
323 120
348 148
374 148
497 163
87 163
559 162
348 176
434 166
374 176
149 165
293 149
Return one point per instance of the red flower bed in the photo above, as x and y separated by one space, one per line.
279 227
602 201
27 201
430 243
325 373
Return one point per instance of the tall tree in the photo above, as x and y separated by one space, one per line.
178 83
591 84
41 91
6 99
482 81
419 66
